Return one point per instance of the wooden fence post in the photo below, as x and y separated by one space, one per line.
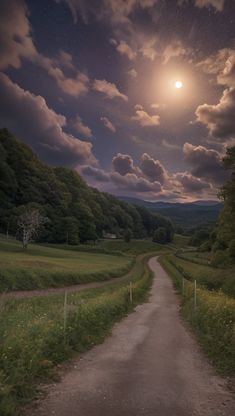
195 295
131 295
65 310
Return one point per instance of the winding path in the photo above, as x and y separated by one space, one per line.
150 366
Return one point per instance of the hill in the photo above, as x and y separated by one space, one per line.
187 215
75 212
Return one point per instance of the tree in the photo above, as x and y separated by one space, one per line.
160 236
29 224
127 235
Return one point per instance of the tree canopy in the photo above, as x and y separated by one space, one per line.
75 211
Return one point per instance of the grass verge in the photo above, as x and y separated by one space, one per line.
41 267
213 319
36 334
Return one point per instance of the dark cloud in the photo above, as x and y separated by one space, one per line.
123 164
219 118
153 169
97 174
29 117
132 182
190 183
205 163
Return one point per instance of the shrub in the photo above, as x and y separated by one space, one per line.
231 249
220 258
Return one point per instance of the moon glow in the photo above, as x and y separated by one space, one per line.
178 84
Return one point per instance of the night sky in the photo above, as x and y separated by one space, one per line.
91 84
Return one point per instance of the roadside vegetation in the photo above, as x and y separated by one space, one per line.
214 315
38 333
41 267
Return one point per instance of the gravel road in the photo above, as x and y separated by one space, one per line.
150 366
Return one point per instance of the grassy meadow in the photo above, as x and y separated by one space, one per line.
40 267
214 316
212 278
38 333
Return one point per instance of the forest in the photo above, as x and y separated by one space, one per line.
75 212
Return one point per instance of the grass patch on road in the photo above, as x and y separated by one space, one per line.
41 267
36 334
213 319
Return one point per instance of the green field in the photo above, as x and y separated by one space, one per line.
41 267
37 333
214 316
210 277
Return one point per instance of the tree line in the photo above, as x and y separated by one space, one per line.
75 212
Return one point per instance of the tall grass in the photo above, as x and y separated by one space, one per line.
34 335
213 319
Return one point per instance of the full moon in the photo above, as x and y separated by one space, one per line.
178 84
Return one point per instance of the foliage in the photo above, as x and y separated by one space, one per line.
29 223
160 236
226 227
127 235
76 212
213 320
34 337
199 268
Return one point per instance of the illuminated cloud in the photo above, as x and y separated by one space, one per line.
108 124
28 116
219 118
95 173
146 120
217 4
190 183
81 128
15 33
173 50
131 182
108 89
133 73
124 49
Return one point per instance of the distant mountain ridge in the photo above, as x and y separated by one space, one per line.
188 214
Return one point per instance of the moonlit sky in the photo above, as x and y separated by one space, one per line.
92 85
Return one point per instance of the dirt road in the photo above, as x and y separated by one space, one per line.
150 366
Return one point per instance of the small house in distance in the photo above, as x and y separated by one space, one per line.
109 236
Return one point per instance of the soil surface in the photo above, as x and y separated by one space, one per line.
150 366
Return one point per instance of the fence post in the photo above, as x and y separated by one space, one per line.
183 286
131 296
195 295
65 310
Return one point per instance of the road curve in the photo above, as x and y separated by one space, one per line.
150 366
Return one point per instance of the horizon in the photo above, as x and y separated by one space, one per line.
109 91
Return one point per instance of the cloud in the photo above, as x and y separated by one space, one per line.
124 49
217 4
133 73
108 89
146 120
28 116
123 164
205 163
138 107
190 183
148 47
174 50
214 64
75 87
158 106
116 10
169 145
219 118
15 34
81 128
132 182
108 124
97 174
152 169
227 76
